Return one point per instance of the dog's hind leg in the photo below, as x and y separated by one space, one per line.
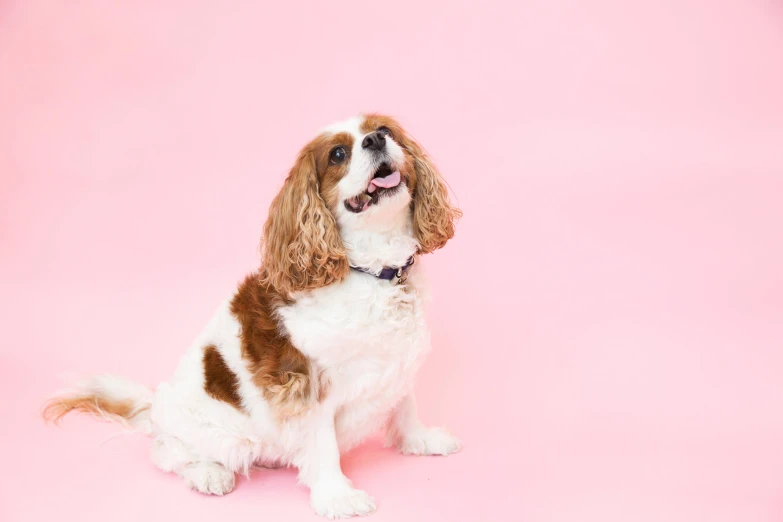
171 455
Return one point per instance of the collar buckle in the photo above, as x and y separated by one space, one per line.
402 272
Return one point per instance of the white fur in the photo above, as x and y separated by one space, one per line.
367 334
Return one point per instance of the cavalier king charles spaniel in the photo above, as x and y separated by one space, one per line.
318 349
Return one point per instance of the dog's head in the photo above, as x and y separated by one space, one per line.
365 173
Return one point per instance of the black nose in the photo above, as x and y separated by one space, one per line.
374 140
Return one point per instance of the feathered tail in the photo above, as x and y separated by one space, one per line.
107 397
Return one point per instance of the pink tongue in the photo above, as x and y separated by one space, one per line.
392 180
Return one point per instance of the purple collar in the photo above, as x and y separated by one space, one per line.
389 273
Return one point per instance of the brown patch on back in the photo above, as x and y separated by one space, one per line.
219 381
279 369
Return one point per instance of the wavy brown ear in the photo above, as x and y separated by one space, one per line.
301 248
433 214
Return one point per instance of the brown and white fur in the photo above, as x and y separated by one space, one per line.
308 357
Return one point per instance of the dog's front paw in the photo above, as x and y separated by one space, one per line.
342 501
429 441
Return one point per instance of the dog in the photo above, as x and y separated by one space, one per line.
318 348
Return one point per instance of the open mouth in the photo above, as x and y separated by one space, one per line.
384 182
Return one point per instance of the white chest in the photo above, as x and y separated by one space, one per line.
368 335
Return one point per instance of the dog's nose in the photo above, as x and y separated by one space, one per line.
374 141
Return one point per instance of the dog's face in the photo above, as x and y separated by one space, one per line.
352 176
365 168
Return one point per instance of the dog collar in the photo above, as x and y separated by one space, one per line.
390 273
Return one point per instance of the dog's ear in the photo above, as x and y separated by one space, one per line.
301 248
433 214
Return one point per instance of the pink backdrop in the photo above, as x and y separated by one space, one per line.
608 324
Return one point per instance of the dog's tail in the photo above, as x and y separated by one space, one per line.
107 397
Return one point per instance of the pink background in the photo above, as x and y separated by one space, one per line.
608 324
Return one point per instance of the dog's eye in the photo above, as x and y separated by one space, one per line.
386 131
337 155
